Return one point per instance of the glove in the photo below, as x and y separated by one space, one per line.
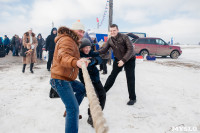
92 61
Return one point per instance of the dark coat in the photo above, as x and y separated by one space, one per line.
92 69
121 46
40 43
50 43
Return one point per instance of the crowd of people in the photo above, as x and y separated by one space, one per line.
68 48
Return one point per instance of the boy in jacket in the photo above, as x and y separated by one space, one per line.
86 52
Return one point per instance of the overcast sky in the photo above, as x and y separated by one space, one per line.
179 19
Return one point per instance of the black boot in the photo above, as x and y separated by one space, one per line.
31 67
23 69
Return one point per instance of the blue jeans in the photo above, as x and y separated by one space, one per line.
65 90
14 50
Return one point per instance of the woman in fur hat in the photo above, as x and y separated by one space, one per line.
29 42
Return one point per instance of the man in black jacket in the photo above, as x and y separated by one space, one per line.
124 56
50 46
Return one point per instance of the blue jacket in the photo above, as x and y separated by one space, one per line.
1 41
6 41
92 69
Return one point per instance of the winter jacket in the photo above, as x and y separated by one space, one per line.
107 54
1 41
121 46
66 55
92 69
6 41
16 42
50 41
30 58
13 41
40 42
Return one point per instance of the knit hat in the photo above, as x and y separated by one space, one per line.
85 42
78 26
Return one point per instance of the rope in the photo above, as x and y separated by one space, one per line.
99 121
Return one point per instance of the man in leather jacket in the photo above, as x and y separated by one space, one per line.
124 57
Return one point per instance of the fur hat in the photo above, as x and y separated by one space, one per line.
85 42
78 26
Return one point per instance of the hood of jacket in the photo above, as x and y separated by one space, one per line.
63 31
53 30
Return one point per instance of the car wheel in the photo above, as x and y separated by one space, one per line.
144 52
174 54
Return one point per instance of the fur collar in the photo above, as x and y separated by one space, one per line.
27 34
66 31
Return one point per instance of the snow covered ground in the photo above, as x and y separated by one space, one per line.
168 98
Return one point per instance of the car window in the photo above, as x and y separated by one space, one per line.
160 42
141 41
152 41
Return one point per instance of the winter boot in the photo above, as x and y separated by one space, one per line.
131 102
65 113
31 67
23 69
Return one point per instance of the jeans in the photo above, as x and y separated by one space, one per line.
66 90
14 50
130 76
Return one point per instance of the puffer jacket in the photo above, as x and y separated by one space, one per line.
121 46
66 55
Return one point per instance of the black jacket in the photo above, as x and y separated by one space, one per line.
92 69
121 46
40 42
50 43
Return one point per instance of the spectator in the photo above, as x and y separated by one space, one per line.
40 46
50 46
105 57
6 43
29 42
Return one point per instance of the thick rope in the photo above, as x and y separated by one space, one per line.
99 121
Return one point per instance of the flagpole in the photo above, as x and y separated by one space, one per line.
110 14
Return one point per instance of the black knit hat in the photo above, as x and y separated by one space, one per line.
85 42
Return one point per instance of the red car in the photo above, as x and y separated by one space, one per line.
154 46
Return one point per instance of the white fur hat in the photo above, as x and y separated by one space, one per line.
78 26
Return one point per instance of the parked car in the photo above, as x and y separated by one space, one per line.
154 46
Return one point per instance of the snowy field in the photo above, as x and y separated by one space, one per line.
168 98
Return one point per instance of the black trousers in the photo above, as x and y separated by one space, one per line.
50 59
130 77
39 52
101 94
103 65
